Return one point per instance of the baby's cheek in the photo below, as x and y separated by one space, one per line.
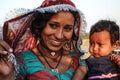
90 49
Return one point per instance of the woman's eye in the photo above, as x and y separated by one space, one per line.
68 28
52 25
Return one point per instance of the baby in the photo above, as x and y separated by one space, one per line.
104 40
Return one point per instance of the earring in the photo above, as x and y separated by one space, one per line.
69 46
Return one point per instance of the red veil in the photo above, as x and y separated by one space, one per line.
17 34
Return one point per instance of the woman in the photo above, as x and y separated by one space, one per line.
54 44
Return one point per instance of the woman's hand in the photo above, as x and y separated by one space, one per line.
6 67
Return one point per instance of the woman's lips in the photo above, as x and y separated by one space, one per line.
55 43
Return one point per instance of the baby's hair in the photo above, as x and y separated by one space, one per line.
107 25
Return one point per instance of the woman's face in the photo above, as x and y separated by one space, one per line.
58 30
100 44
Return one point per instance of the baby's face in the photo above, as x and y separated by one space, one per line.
100 44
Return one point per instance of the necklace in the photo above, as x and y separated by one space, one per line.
54 69
53 53
53 59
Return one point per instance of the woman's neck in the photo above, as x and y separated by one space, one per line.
48 53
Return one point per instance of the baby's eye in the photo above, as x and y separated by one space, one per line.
99 44
91 43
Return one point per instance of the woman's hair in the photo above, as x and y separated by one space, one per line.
107 25
40 21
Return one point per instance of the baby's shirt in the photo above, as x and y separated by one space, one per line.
101 66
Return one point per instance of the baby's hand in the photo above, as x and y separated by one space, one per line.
115 58
85 56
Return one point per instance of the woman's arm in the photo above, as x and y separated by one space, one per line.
80 73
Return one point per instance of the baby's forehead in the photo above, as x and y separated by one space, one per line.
102 32
100 36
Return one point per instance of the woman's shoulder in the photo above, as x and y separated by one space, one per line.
25 54
28 53
75 53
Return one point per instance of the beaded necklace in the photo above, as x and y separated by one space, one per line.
54 69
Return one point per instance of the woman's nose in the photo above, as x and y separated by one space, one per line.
59 34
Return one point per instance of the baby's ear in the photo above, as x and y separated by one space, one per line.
116 44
